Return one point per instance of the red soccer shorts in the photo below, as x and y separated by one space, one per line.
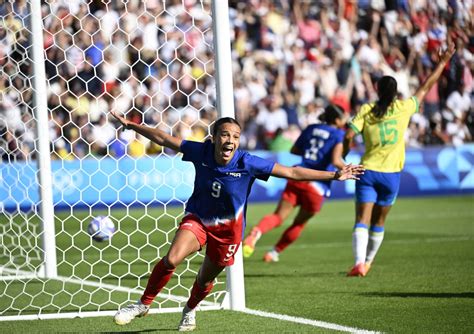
219 252
303 193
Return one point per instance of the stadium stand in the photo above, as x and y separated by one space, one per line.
290 58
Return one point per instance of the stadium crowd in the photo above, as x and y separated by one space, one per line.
154 63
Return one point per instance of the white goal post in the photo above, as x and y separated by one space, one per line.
64 66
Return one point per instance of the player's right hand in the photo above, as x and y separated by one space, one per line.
448 53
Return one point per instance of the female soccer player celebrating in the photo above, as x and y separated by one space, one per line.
382 125
320 146
215 212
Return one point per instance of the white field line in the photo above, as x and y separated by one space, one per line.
90 314
204 306
310 322
327 325
213 306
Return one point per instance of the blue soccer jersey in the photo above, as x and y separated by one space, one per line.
220 193
316 144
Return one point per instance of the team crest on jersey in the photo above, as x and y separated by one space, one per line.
233 174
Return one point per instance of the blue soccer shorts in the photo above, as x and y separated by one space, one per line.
377 187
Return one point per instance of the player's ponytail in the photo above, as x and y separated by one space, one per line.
387 92
331 113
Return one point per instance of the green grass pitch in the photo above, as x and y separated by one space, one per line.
422 280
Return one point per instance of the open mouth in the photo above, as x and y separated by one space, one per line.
227 151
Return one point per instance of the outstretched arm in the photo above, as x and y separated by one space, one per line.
154 134
336 158
433 77
348 172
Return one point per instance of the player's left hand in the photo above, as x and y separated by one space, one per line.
349 172
123 121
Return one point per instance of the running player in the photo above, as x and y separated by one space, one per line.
320 146
215 212
382 125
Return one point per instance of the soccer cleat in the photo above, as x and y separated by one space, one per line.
358 270
271 256
250 242
188 320
367 267
128 313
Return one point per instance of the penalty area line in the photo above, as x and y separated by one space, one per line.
310 322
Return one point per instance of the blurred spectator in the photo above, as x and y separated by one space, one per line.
311 112
436 133
291 108
284 139
137 146
459 101
153 61
252 134
271 117
458 131
102 133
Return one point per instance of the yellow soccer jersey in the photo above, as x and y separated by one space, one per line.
384 137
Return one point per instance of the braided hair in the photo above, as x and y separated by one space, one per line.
387 92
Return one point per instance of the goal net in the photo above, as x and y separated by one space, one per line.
64 161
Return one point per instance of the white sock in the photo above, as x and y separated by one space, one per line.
375 241
360 239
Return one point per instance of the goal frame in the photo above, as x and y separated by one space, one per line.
234 298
